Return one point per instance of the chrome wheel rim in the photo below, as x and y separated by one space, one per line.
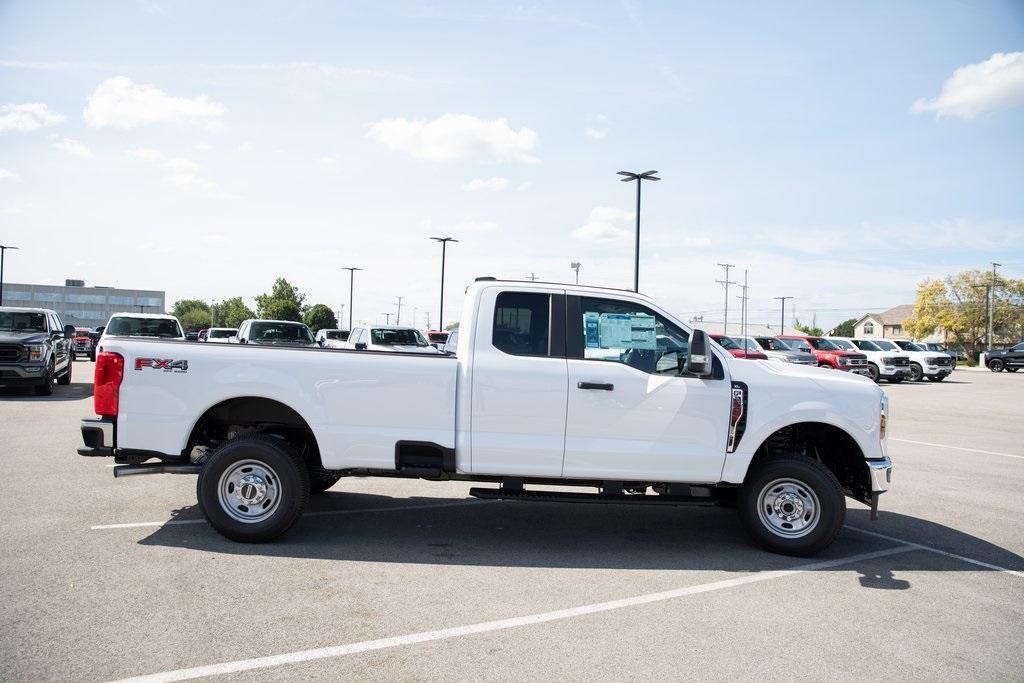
788 508
249 491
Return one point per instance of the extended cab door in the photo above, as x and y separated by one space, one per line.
518 383
631 415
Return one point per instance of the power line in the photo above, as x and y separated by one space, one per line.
726 282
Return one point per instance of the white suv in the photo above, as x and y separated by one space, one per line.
934 366
888 365
388 338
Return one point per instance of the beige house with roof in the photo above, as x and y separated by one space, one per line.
889 325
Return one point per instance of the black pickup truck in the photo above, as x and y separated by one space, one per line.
1011 359
35 349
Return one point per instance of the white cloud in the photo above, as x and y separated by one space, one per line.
485 184
179 172
245 147
595 134
121 103
456 136
72 147
996 83
214 238
203 147
606 224
25 117
8 175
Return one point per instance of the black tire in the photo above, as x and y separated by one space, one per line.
45 388
996 365
937 378
825 365
65 379
916 372
320 480
873 372
1012 369
92 356
814 483
284 474
74 357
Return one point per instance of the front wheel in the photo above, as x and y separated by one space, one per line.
65 379
996 365
825 365
253 488
873 372
792 505
916 372
45 388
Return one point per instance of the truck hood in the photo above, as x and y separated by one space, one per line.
793 356
23 337
830 381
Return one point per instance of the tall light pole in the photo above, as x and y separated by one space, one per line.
444 245
639 178
782 321
575 265
726 282
990 308
351 285
398 318
3 249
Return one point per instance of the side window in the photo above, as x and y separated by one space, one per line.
522 322
628 333
869 328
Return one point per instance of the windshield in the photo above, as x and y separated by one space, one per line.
843 344
909 346
278 333
13 321
773 344
824 345
340 335
220 334
865 345
401 337
144 327
885 345
727 343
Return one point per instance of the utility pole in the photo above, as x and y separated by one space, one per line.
387 318
743 311
639 178
428 319
532 277
444 244
782 321
341 315
726 282
575 265
3 249
398 319
351 286
990 307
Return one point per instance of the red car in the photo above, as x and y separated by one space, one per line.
730 345
829 355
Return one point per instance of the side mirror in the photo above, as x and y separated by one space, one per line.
360 346
69 331
700 361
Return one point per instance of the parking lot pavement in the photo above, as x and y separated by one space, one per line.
396 579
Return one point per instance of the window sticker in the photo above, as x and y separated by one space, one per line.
619 331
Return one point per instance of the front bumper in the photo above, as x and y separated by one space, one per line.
21 372
856 370
98 436
937 371
880 477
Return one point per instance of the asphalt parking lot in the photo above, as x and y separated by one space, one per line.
406 580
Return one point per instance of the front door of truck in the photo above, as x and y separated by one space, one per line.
519 376
631 415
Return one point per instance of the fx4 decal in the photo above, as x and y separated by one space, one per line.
165 364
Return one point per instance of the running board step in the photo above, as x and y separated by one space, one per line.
156 468
579 497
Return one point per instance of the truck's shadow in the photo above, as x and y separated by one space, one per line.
576 536
76 391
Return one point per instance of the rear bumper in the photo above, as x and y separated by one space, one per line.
98 437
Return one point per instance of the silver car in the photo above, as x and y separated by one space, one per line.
777 350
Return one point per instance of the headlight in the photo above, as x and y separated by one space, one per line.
36 351
843 360
887 361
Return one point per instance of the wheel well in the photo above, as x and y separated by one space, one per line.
827 444
251 415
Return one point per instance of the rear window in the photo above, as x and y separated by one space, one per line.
220 334
340 335
279 332
144 327
392 337
521 322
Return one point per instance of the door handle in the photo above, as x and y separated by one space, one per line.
595 385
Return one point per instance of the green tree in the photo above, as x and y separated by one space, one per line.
812 329
183 306
281 309
843 329
231 313
451 327
283 296
194 319
320 317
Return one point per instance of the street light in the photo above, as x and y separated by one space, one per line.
351 284
639 178
3 249
575 265
444 245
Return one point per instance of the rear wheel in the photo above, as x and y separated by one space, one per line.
916 373
253 488
792 505
996 365
873 372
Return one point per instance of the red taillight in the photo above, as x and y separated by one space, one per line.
107 383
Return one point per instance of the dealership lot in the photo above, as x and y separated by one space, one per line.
397 579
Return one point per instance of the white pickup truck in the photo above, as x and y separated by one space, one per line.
562 385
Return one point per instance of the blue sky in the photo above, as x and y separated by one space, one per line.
834 151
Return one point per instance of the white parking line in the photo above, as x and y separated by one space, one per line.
500 624
317 513
937 551
957 448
